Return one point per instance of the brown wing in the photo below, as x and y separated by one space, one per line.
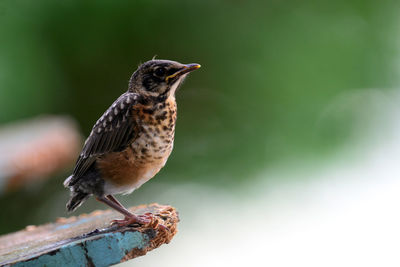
112 132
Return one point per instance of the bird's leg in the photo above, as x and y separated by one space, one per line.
117 207
129 217
146 215
113 199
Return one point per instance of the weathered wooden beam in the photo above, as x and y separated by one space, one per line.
35 149
88 240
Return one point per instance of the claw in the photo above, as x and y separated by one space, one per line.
146 219
141 220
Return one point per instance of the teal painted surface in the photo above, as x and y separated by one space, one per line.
113 247
109 249
69 255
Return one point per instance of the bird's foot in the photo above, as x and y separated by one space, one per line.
146 219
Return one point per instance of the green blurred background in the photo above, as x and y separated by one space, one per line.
270 73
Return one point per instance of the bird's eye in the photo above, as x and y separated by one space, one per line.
160 72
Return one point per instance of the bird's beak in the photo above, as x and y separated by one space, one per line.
186 68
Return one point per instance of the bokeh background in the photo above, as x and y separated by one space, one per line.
288 138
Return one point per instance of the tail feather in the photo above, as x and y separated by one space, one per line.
77 198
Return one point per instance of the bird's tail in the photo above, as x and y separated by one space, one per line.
77 198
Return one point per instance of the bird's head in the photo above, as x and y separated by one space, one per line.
159 78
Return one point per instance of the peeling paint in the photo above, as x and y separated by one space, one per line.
109 249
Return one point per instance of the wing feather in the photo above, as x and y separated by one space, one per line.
112 132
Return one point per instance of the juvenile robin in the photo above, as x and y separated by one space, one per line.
131 141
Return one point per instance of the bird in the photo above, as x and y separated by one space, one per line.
131 141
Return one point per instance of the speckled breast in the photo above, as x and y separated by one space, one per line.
148 153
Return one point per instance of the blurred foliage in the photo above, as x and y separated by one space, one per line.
269 70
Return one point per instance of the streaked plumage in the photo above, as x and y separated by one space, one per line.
132 140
